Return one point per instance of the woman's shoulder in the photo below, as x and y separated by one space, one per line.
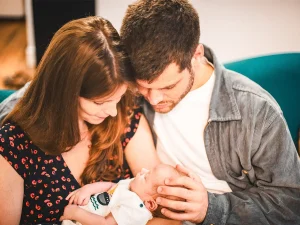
10 130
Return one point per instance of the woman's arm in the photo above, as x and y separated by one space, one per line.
11 194
74 212
140 151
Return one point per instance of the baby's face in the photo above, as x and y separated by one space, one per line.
146 182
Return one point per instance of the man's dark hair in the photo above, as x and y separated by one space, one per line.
159 32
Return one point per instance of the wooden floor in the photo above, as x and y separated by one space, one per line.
12 49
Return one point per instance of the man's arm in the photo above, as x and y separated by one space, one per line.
274 197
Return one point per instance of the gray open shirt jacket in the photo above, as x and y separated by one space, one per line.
248 145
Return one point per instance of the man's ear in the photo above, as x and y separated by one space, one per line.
199 53
150 204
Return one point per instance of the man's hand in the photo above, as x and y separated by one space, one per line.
189 188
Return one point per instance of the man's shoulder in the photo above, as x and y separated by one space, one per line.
249 92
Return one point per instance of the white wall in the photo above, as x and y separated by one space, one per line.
11 8
235 29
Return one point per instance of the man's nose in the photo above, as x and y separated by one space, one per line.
155 96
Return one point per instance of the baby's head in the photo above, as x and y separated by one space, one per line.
146 182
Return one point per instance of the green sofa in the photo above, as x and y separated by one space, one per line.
278 74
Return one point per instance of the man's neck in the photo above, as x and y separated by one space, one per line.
202 74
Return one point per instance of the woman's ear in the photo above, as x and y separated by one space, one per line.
150 204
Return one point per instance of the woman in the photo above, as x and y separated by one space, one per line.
67 129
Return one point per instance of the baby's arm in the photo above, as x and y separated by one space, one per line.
82 195
73 212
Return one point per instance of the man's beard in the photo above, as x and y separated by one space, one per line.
174 103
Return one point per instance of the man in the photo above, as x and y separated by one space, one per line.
225 128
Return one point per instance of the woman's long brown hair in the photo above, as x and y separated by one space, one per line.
85 58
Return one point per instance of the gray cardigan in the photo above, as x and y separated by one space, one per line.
248 144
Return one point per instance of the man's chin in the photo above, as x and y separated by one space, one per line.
163 110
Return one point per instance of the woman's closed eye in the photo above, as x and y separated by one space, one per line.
99 103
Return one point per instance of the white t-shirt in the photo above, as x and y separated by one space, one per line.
125 206
180 135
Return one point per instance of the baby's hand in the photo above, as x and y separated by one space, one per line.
80 196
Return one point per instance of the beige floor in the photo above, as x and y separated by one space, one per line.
12 49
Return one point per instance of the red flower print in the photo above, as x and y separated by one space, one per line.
41 192
68 179
49 204
53 173
40 216
48 219
23 160
58 158
34 182
15 156
56 211
26 166
46 161
39 159
64 187
1 149
35 152
40 181
31 212
63 178
43 168
57 202
2 140
30 161
60 198
36 197
16 166
38 207
51 212
127 140
32 195
47 200
27 203
45 185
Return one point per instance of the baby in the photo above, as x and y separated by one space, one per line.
130 201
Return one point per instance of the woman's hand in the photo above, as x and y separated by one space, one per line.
70 213
188 187
80 196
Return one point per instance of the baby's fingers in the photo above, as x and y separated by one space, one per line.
86 201
70 194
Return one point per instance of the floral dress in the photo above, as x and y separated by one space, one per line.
47 178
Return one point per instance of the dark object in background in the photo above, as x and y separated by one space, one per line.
17 80
50 15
